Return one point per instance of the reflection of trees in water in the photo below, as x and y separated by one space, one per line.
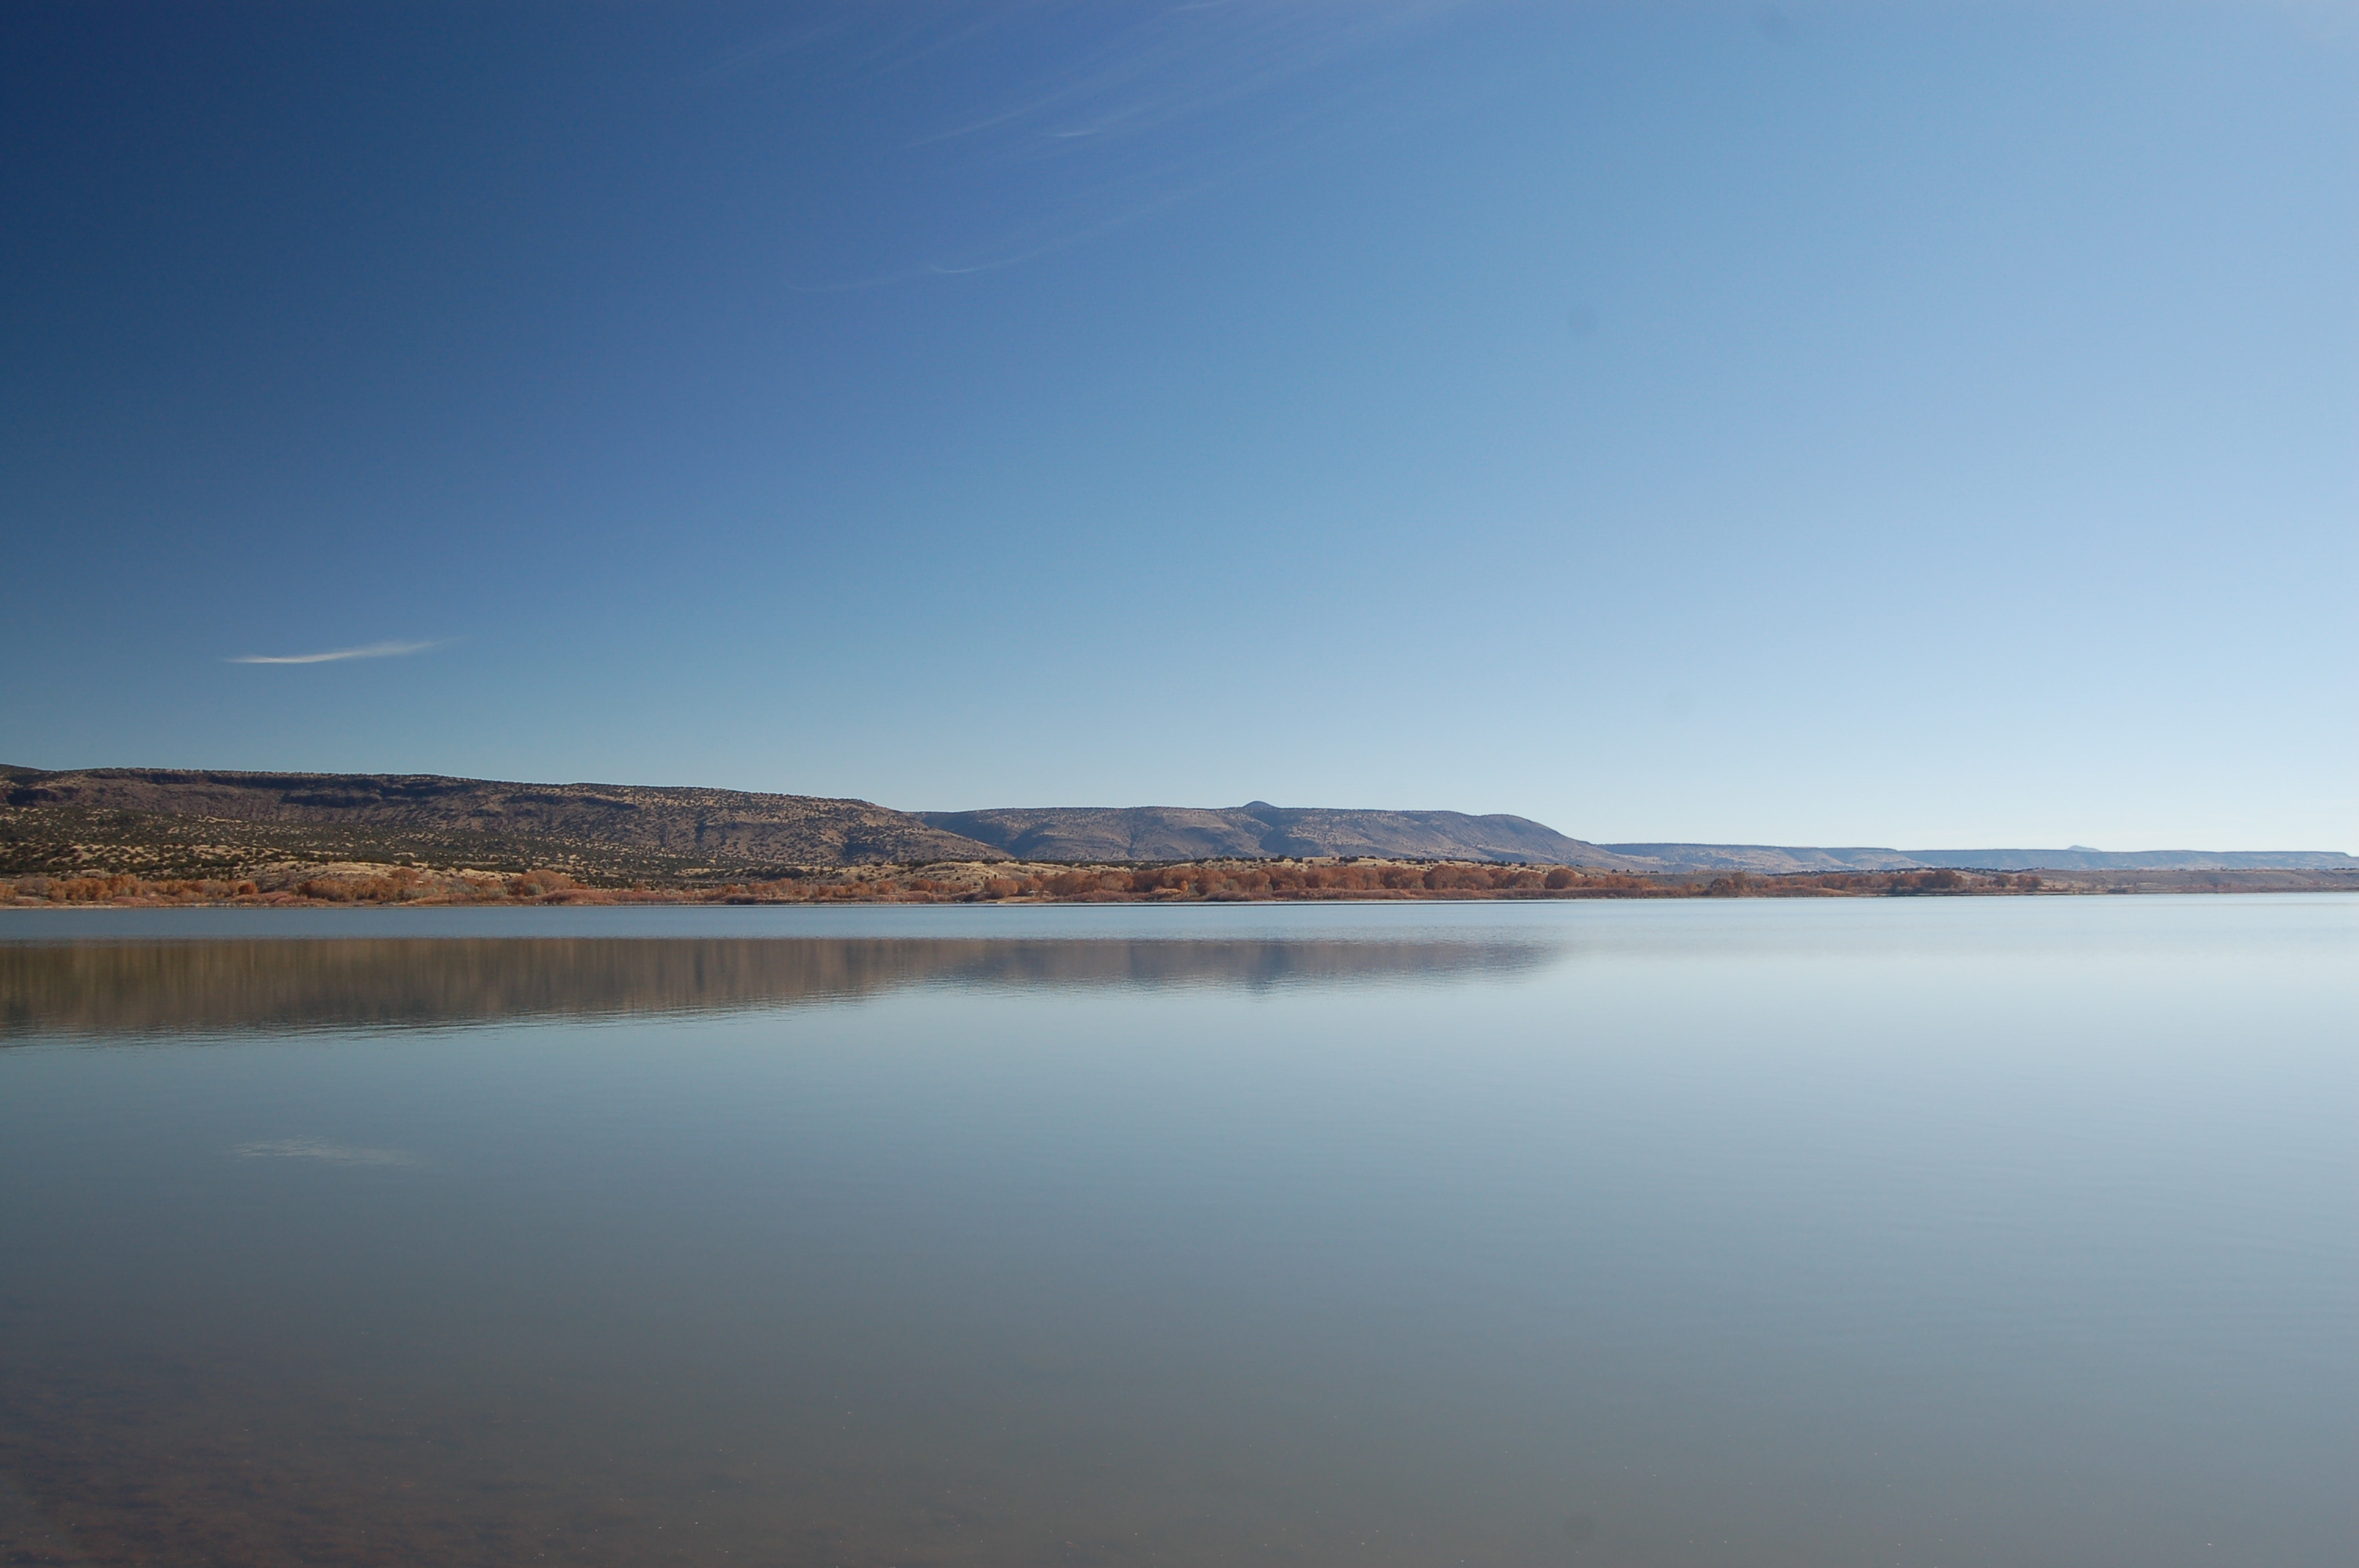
140 987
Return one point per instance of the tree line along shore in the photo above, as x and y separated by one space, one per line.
1223 880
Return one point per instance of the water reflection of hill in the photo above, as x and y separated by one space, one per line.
151 988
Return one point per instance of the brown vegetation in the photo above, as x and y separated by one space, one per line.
1211 880
165 823
980 882
297 885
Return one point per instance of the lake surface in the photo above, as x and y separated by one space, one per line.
1920 1232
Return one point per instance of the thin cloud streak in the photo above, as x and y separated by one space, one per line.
1120 116
373 650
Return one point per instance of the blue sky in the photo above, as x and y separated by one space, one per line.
1920 425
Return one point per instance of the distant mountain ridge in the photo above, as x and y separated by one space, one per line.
194 821
1258 829
1261 830
1773 859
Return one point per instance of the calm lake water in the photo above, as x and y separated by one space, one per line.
1976 1232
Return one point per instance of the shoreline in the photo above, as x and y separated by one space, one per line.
355 885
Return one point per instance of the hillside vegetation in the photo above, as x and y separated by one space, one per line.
1215 881
157 822
432 837
1265 831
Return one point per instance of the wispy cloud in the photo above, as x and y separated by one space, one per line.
334 655
325 1152
1087 118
